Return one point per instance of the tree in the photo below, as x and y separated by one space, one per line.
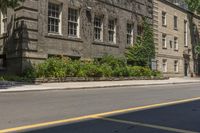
143 50
193 5
4 4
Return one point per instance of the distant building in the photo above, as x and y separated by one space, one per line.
176 33
76 28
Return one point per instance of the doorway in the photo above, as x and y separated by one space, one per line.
186 68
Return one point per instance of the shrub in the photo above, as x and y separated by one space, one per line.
109 66
2 79
113 62
52 67
138 71
73 69
106 70
120 72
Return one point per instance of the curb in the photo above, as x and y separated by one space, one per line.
94 87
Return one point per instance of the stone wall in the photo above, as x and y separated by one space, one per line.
29 41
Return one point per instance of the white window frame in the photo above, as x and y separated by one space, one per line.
176 46
164 40
3 22
98 28
112 29
74 22
164 18
59 18
176 66
164 65
130 32
185 33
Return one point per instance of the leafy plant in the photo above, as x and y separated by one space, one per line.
4 4
143 50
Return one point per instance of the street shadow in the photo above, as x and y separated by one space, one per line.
182 118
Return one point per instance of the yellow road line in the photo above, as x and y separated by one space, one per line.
65 121
147 125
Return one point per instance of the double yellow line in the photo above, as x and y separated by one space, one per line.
94 116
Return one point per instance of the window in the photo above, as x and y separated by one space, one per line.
54 18
175 43
73 22
176 66
175 22
164 18
98 29
129 34
140 29
164 42
3 22
185 33
164 65
112 31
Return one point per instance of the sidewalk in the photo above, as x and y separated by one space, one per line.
101 84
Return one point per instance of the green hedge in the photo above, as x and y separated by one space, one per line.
108 66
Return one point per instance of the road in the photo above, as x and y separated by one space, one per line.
32 109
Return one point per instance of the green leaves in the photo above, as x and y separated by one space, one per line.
144 49
4 4
193 5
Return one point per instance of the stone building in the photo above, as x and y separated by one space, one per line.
176 32
84 29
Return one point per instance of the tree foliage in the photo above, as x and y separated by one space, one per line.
144 49
4 4
193 5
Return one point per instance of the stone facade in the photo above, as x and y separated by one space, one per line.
28 41
175 58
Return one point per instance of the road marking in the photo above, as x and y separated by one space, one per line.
146 125
65 121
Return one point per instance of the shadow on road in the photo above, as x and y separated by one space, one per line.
181 118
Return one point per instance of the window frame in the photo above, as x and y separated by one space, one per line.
164 41
74 22
98 28
112 30
176 44
164 18
3 19
175 23
176 66
164 66
129 34
185 33
59 18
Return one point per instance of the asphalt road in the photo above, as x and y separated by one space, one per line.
27 108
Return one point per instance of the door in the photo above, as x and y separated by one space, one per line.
186 68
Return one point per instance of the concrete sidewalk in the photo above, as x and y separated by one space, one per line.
101 84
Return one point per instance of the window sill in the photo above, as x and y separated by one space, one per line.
176 29
176 50
3 35
164 48
105 44
164 25
55 34
61 37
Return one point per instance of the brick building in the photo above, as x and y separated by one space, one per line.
76 28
